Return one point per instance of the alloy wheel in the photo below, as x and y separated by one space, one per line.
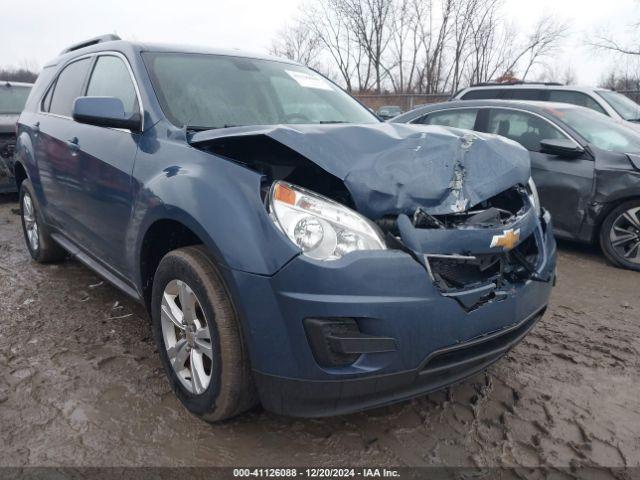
625 235
30 223
186 336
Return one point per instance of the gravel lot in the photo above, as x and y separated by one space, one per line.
81 385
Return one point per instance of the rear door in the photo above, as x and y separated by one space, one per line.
564 184
101 201
56 154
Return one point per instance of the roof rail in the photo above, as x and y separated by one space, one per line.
516 82
92 41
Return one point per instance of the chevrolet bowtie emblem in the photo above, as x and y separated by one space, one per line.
507 240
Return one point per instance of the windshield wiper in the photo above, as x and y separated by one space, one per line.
200 128
635 120
332 121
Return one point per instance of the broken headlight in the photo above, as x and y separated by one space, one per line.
321 228
533 196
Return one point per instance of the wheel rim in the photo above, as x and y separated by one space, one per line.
186 336
30 223
625 235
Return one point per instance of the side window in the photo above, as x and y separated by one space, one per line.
524 94
483 94
526 129
69 87
458 118
111 78
575 98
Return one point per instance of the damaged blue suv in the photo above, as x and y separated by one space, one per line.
290 248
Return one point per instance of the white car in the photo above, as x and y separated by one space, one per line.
611 103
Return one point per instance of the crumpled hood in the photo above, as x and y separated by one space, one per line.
395 168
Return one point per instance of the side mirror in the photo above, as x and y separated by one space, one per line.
561 147
105 112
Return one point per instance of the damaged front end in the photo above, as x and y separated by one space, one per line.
462 204
478 255
424 257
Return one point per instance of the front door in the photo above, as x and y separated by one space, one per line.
102 201
564 184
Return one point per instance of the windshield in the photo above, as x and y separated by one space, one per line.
13 98
599 129
626 108
216 91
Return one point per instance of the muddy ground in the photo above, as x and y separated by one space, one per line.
81 385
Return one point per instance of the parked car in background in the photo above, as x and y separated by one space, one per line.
586 166
287 244
610 103
13 96
389 111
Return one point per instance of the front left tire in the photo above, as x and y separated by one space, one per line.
199 337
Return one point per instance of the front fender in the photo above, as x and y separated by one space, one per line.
216 199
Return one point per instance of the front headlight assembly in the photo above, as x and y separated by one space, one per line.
321 228
534 197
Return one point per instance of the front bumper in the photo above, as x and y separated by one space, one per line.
390 295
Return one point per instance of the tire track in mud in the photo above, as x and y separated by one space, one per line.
81 385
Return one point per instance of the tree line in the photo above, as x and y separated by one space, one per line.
416 46
23 74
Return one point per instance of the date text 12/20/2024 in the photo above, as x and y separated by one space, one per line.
315 473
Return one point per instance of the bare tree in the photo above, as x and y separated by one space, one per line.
323 20
624 79
434 40
368 19
422 46
297 43
540 44
607 41
491 45
558 73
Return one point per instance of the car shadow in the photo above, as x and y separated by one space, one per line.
6 198
590 250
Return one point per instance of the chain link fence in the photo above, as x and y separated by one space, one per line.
406 101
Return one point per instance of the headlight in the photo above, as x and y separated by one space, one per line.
322 228
533 196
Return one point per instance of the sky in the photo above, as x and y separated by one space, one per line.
34 31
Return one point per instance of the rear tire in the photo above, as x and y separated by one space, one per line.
199 337
620 235
41 246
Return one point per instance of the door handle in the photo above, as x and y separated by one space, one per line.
72 143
